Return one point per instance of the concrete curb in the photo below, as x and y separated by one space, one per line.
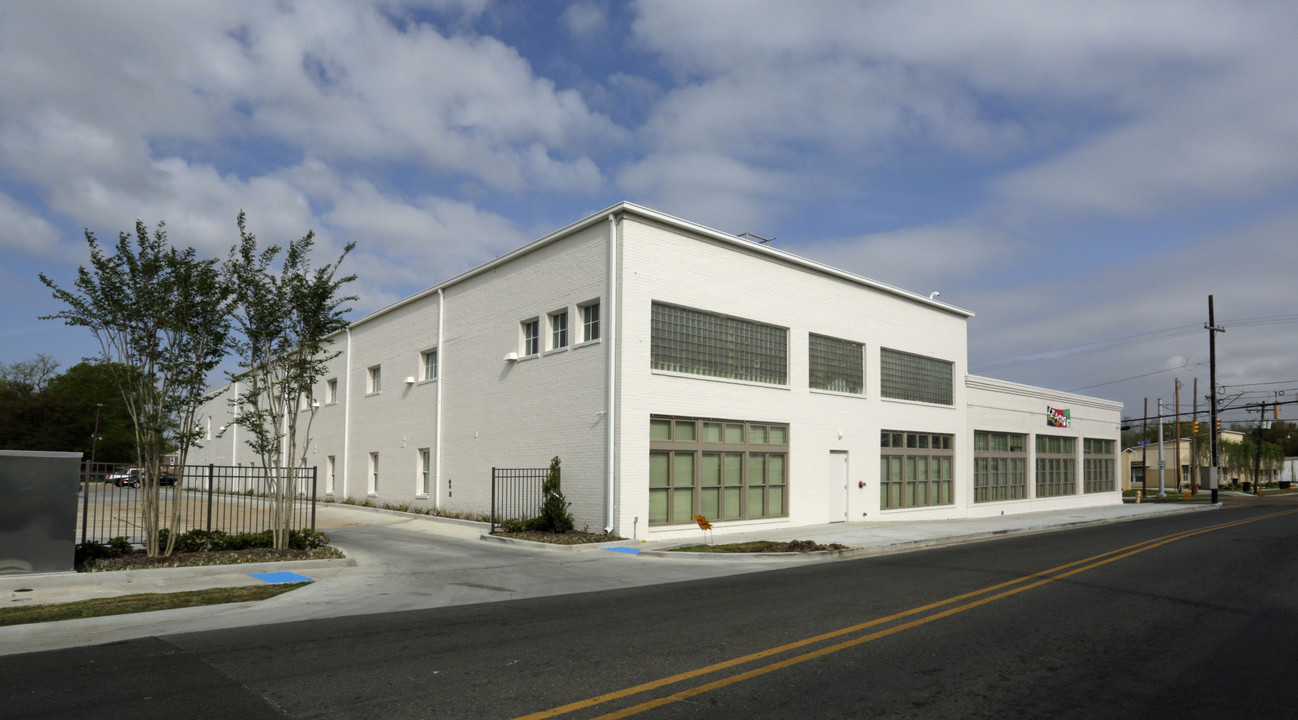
909 545
76 579
554 547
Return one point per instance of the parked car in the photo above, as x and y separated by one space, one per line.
131 477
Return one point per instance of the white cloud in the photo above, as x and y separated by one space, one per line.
711 189
22 229
919 259
584 19
1128 107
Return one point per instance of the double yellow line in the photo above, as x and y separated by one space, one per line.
953 605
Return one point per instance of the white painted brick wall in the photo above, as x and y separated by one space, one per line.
520 414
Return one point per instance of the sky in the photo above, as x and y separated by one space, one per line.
1081 175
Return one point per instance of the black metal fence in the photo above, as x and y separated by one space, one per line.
231 499
516 493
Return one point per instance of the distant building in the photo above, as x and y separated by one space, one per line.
678 370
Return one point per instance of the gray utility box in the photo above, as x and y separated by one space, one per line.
38 511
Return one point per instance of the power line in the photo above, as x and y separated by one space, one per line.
1122 341
1135 377
1087 348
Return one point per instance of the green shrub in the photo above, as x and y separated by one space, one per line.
307 539
88 552
556 515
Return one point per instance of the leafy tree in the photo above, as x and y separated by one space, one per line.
84 389
1243 458
161 317
28 377
283 317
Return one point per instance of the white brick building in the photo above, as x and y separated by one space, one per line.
678 370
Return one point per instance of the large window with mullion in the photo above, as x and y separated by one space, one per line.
721 469
1000 466
1099 466
915 469
1056 466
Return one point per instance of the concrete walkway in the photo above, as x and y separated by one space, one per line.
401 561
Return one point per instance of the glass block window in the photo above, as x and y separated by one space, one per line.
700 343
837 365
1099 466
720 469
915 469
903 376
1056 466
1000 466
590 322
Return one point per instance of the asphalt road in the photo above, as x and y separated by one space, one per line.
1189 616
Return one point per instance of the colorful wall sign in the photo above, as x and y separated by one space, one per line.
1059 417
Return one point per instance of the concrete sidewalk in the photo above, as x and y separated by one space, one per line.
402 561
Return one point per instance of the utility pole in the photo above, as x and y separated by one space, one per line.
1212 329
1178 434
1161 463
1257 463
1144 452
1194 441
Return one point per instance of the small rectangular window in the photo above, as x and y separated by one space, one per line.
531 337
429 365
590 322
330 469
425 469
374 382
374 474
559 330
331 391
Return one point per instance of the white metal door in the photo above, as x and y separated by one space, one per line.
837 485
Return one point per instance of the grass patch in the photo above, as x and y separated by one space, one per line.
140 603
763 546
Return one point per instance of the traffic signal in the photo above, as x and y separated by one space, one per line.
1194 428
1218 424
1277 411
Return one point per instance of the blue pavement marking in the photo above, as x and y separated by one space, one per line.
281 577
627 550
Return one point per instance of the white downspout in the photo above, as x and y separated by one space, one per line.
437 421
610 414
347 409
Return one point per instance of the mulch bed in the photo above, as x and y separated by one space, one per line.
139 560
799 546
571 537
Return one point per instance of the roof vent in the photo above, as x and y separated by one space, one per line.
756 238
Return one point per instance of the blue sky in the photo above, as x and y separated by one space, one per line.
1079 174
